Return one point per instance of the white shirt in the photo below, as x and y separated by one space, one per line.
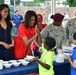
49 19
65 20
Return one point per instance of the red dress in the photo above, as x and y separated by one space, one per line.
20 49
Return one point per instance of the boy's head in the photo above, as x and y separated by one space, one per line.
49 43
74 38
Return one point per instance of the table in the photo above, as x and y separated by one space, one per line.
20 70
64 68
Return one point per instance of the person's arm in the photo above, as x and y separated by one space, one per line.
73 63
5 45
38 39
41 63
66 17
12 44
12 41
49 60
44 33
36 43
29 41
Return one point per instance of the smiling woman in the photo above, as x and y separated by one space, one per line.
6 42
26 35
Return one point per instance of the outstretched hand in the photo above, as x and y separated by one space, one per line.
68 56
34 59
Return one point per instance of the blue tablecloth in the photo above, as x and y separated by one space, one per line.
60 69
21 70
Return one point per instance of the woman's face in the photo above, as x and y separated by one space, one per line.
32 21
16 13
57 23
39 25
4 13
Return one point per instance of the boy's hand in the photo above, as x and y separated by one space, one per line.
68 56
34 59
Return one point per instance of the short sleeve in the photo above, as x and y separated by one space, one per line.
49 59
22 31
74 54
44 33
44 25
21 17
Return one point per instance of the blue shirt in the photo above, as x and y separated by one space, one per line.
73 70
17 19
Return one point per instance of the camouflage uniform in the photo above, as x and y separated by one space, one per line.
71 29
58 33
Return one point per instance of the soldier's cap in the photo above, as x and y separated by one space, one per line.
39 16
74 36
15 11
57 17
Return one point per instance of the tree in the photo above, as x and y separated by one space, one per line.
1 1
17 2
72 3
39 0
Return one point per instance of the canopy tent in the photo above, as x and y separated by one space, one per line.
53 8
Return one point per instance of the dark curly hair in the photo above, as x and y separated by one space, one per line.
51 43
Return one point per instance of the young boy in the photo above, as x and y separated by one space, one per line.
72 59
46 60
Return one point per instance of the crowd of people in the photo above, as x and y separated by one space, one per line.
32 34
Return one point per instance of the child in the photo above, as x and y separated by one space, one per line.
46 60
6 42
72 59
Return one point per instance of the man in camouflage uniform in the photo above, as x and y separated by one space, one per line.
71 29
56 31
